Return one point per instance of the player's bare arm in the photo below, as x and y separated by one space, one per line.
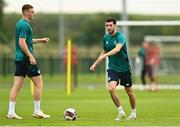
93 66
40 40
112 52
23 45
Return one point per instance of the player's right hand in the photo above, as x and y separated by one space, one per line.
32 60
93 67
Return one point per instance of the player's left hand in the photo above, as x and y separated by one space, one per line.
45 40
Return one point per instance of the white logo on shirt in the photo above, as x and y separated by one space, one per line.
127 84
109 78
107 42
38 72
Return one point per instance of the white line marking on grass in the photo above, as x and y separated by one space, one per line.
159 86
89 126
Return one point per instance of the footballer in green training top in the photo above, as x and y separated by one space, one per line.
119 70
25 64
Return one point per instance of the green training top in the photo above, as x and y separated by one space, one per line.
142 55
23 30
120 61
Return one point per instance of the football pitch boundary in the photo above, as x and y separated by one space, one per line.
89 126
160 87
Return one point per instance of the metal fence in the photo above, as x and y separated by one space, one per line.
54 66
49 65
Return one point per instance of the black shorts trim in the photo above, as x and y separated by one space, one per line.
24 68
123 77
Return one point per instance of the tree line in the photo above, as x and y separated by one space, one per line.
85 29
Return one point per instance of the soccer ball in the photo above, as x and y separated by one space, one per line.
70 114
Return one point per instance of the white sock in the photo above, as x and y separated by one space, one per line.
11 107
133 110
36 106
120 109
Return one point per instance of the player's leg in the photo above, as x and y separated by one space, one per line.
113 80
34 73
38 87
112 91
132 100
126 81
20 73
18 82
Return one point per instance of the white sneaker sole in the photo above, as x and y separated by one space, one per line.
118 119
40 117
13 117
130 118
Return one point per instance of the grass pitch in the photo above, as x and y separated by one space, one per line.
94 108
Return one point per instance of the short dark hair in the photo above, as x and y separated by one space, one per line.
26 7
111 20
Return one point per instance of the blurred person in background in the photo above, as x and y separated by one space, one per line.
152 63
141 57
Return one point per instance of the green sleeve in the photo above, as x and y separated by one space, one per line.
23 31
121 39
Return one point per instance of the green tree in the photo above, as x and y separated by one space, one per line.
1 12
